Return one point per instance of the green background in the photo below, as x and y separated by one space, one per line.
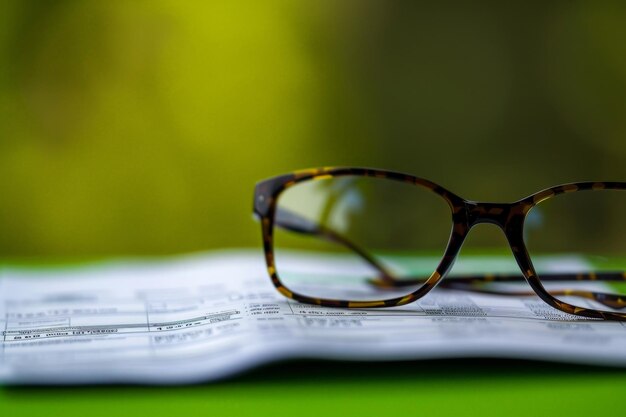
140 128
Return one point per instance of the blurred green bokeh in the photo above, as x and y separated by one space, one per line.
141 127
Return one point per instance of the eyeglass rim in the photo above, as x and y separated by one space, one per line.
267 191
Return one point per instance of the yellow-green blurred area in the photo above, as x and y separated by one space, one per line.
140 127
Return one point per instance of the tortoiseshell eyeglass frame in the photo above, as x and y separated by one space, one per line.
465 214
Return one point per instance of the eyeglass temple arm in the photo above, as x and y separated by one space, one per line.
286 219
486 278
473 283
610 300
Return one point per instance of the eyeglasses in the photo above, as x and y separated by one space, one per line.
379 238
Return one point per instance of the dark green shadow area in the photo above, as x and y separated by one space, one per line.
480 387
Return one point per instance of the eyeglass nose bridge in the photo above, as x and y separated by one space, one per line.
492 213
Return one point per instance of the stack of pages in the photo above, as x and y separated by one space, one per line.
204 317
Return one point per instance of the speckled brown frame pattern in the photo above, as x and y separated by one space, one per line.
465 214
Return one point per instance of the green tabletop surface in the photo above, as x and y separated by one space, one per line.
464 387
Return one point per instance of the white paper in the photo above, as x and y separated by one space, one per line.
204 317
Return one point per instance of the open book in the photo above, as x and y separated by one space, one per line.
208 316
